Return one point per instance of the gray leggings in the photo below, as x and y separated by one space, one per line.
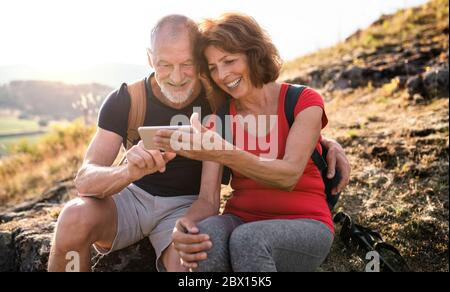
264 246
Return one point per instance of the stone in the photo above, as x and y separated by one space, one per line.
415 85
7 256
418 99
139 257
436 83
26 232
28 249
32 251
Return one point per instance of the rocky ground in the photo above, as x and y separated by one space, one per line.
399 184
387 105
26 233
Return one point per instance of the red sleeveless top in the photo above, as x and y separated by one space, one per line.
253 201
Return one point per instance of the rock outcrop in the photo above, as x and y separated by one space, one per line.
418 60
26 233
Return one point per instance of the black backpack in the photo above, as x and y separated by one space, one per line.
292 96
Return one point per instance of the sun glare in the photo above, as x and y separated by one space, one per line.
70 34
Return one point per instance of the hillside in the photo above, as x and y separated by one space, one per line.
109 74
386 91
403 45
48 99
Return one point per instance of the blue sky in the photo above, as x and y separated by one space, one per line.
71 34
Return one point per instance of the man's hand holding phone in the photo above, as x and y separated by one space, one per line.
142 162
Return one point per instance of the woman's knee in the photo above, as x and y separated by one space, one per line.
219 231
211 226
247 237
279 245
249 250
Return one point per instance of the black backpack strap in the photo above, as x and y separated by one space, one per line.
292 96
290 102
223 115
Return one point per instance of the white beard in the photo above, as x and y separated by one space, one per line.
176 98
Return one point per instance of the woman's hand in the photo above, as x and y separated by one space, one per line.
201 144
190 245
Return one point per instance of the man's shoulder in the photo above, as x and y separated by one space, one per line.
120 93
113 114
118 98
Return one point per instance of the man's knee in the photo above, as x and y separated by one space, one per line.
76 223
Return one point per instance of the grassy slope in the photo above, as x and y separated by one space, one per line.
399 184
399 28
398 151
34 168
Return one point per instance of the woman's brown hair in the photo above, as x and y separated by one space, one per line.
238 33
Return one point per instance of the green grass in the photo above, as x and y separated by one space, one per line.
6 143
12 124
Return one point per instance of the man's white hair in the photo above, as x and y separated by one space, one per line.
174 25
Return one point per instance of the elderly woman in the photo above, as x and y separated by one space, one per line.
278 218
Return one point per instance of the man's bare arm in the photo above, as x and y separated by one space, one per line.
96 177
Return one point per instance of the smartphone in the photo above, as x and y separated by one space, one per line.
147 134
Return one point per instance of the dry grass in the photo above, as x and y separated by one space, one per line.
32 169
399 185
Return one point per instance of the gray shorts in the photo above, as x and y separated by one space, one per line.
142 215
